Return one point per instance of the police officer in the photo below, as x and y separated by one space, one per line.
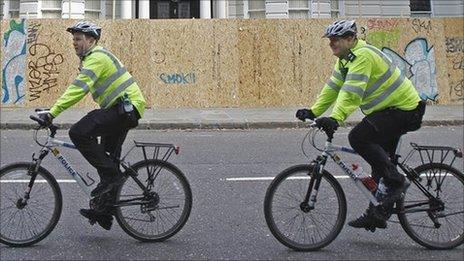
110 84
364 77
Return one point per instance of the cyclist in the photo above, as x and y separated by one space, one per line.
121 106
365 77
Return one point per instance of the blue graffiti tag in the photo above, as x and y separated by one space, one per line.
178 78
14 62
418 65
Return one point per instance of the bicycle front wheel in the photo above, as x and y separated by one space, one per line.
26 223
296 227
160 212
436 223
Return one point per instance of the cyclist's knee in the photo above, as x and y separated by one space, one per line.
73 132
76 134
354 138
82 128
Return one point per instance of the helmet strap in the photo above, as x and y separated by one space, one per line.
88 51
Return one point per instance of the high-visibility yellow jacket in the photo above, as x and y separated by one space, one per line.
369 81
104 76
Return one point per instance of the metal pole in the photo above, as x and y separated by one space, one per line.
114 9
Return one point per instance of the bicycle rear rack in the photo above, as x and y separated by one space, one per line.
430 154
161 151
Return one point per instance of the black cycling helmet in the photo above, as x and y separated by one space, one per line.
341 28
87 28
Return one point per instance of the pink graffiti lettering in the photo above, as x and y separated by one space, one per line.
382 24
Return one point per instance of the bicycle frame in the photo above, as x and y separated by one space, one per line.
51 146
330 151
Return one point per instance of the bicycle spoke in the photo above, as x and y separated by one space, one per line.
316 227
8 207
10 220
288 197
291 222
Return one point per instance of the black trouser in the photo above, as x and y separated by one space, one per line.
110 124
376 137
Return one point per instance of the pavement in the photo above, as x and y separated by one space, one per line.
220 118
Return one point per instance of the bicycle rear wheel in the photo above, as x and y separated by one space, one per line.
162 212
418 212
26 224
298 229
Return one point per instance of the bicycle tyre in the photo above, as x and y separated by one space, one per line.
183 182
271 220
406 220
4 204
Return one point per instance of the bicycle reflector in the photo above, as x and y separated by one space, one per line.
177 150
458 153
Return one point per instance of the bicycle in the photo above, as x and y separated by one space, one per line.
305 206
152 204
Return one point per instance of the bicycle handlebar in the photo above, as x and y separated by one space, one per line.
313 124
38 120
42 124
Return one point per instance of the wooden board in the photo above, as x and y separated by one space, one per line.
234 62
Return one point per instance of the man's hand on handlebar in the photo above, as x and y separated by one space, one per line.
328 124
304 114
47 119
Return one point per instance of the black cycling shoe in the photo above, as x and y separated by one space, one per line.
395 194
103 219
105 187
368 222
375 217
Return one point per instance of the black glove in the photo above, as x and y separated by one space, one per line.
328 124
47 118
304 114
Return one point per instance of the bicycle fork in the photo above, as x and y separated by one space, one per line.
317 166
32 171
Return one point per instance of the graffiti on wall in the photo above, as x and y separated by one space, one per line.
457 89
455 52
421 25
381 32
454 44
178 78
418 64
159 57
14 63
43 65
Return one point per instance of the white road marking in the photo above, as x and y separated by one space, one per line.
271 178
38 181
